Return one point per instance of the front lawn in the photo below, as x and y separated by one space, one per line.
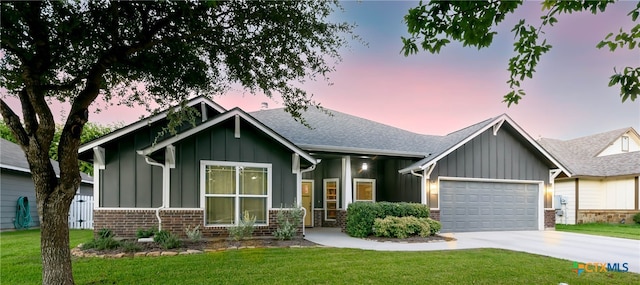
20 264
630 231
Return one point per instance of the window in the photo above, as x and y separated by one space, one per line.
433 194
625 143
330 199
365 189
231 188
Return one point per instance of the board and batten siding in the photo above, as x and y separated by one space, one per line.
219 143
502 156
326 169
128 181
391 186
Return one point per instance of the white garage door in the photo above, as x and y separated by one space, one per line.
469 206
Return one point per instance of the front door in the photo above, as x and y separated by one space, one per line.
307 201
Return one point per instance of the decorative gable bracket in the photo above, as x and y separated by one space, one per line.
497 126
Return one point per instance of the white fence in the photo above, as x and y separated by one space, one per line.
81 212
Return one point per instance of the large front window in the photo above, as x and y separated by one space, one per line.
232 188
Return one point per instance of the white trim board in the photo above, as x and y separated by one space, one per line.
145 122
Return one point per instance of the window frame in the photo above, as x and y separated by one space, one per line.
237 196
624 141
336 200
373 189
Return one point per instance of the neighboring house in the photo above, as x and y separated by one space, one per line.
489 176
604 168
16 182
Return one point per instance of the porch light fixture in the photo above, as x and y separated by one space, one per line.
365 166
433 187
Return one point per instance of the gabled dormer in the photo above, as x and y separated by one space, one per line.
627 141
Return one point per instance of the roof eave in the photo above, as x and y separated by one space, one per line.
221 118
145 122
356 150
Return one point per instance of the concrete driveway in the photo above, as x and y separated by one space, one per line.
570 246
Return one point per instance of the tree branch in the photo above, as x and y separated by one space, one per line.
13 121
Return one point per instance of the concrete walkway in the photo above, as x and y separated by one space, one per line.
564 245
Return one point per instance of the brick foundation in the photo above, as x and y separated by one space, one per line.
318 216
549 219
341 220
605 216
125 223
435 214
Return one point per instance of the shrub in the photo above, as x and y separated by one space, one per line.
434 226
193 234
171 241
142 233
401 227
129 246
161 236
636 218
105 233
361 215
166 239
288 223
244 228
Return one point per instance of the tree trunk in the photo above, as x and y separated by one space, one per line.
54 240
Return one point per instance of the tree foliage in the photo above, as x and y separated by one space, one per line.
137 53
433 25
90 132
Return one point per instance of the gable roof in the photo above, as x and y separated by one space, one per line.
221 118
455 140
580 155
12 157
343 133
146 122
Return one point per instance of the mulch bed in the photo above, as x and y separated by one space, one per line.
208 245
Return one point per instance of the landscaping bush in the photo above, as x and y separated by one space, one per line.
142 233
288 223
166 239
361 215
104 241
105 233
161 236
401 227
130 246
171 242
193 234
636 218
434 226
244 229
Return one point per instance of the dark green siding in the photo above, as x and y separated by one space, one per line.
390 185
218 143
127 180
503 156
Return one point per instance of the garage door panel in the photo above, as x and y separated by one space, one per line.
488 206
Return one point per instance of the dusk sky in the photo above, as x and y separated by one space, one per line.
568 96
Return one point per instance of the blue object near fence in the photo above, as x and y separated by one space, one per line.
23 214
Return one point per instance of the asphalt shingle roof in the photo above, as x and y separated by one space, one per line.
11 155
346 132
580 155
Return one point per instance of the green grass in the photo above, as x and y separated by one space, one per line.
20 264
630 231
